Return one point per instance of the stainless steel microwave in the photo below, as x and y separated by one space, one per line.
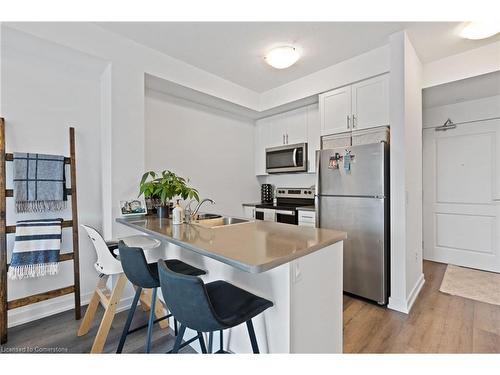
288 158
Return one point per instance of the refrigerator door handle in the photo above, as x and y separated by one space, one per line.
316 196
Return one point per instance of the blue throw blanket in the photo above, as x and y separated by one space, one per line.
36 248
39 182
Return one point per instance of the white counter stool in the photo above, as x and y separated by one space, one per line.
108 264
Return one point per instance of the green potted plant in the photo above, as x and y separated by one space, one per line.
160 188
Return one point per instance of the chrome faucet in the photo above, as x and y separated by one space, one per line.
199 205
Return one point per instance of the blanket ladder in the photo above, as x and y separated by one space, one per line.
5 304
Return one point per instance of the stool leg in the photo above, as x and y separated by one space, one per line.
109 314
129 320
210 342
202 343
253 340
151 320
178 339
175 326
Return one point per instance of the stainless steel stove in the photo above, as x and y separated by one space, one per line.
287 202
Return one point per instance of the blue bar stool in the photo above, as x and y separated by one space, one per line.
208 307
144 275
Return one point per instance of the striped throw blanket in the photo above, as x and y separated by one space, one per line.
36 248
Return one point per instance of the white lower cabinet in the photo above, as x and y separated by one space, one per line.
249 212
307 218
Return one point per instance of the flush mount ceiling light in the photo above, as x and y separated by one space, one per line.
282 57
480 30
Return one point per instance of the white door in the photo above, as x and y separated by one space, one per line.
370 103
335 110
461 179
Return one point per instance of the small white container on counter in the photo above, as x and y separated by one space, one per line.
177 214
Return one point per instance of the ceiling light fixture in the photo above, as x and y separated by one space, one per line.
480 30
282 57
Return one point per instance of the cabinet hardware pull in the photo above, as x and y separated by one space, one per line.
287 139
284 139
348 122
353 121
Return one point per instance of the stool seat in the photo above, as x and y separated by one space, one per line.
177 266
234 305
142 241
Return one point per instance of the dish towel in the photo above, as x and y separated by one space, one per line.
36 248
39 182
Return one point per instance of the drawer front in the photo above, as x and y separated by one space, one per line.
307 217
306 224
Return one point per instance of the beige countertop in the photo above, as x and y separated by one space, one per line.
254 246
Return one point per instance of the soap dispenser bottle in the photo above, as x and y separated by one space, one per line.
177 214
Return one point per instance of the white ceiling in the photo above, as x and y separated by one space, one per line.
473 88
235 50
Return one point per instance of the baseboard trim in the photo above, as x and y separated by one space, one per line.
415 291
405 306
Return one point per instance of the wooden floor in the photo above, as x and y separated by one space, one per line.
57 334
437 323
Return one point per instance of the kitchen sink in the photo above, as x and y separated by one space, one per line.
207 216
219 221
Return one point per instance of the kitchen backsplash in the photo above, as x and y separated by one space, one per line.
289 179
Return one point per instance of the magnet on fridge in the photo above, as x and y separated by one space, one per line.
347 161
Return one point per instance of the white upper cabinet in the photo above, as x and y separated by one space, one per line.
295 123
296 126
335 110
359 106
262 137
370 103
313 135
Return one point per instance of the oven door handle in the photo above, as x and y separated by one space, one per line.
289 213
295 157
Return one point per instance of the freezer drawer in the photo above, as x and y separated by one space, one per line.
366 247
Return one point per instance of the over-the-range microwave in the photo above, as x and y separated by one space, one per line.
287 158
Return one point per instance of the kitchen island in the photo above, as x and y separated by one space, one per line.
299 269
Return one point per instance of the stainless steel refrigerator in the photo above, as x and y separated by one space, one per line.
352 195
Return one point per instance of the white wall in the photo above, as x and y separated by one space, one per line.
45 89
366 65
482 60
406 173
471 110
212 148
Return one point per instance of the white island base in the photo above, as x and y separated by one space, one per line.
307 296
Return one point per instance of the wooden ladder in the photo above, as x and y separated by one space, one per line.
5 229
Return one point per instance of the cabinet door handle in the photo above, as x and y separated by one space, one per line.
353 121
287 139
284 139
348 122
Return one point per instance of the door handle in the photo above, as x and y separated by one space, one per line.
348 122
295 157
284 139
353 121
287 138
